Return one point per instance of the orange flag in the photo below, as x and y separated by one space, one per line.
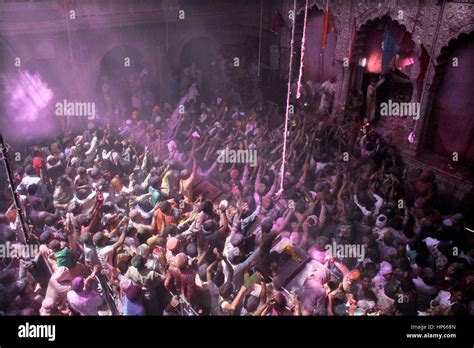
326 25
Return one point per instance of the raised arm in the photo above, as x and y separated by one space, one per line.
121 239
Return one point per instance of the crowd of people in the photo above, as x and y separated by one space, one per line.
142 219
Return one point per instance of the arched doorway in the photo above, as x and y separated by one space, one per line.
124 84
451 124
195 61
396 82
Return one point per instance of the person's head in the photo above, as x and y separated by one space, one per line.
267 203
251 303
279 301
170 230
77 284
266 225
181 260
191 250
226 290
428 276
155 182
321 243
456 294
50 220
99 239
370 269
348 280
172 244
138 261
82 172
165 207
70 172
206 207
116 184
247 189
32 189
135 216
46 237
219 278
23 287
123 267
202 271
37 205
208 227
184 174
64 183
95 173
388 238
344 231
391 289
366 281
54 245
102 184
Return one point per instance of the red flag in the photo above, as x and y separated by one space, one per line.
353 37
326 25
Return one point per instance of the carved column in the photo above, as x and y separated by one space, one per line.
342 12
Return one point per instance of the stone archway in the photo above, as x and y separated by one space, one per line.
122 74
197 57
450 126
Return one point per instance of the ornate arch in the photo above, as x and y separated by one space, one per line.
319 4
364 12
452 39
189 36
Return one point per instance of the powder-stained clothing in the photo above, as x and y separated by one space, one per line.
182 282
59 285
147 279
84 302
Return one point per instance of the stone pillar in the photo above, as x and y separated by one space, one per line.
343 16
423 122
